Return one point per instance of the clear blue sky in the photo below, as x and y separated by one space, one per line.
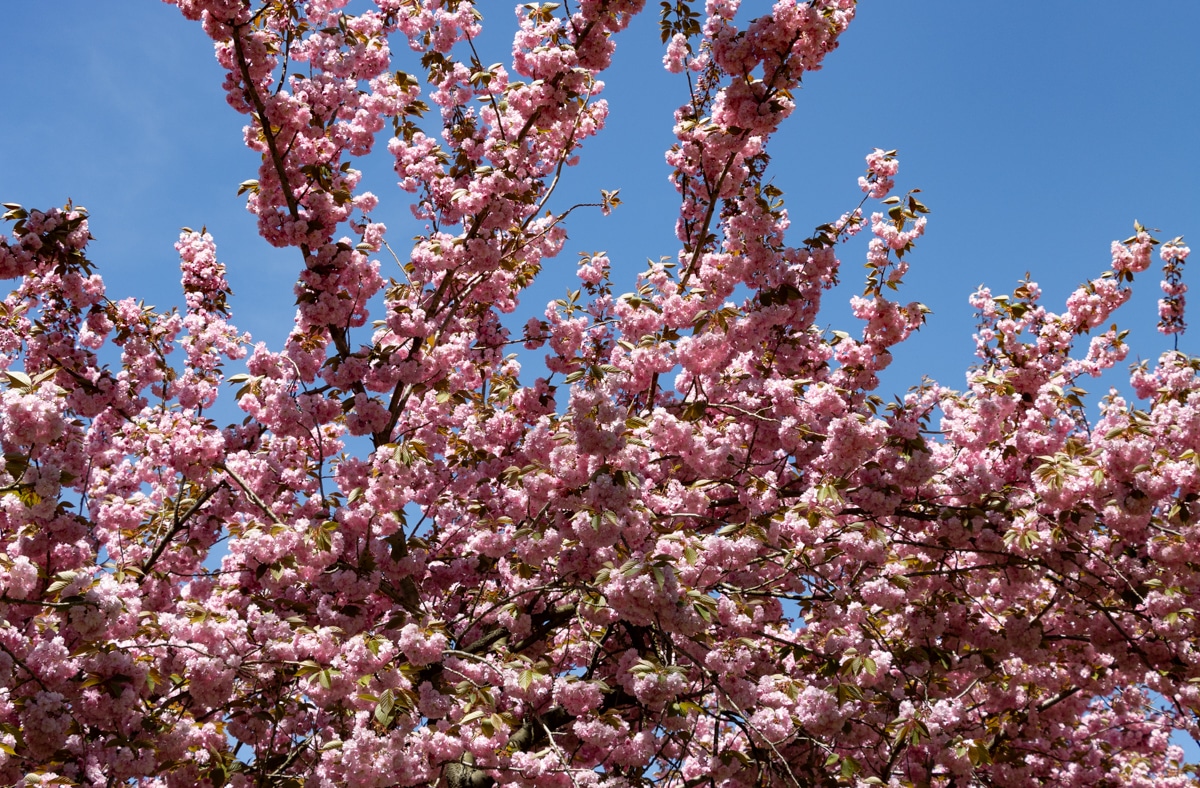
1038 132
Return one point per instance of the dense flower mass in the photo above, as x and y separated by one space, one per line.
696 550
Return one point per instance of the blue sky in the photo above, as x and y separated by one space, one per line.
1037 131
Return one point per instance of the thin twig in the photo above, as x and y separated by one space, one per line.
253 496
180 522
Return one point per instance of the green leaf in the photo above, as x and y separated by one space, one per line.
471 717
16 378
383 709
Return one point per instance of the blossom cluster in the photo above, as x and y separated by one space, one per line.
696 548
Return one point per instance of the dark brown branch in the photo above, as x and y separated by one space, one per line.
180 523
261 111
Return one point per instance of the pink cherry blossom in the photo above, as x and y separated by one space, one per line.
694 546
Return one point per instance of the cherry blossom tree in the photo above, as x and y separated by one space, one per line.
697 548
